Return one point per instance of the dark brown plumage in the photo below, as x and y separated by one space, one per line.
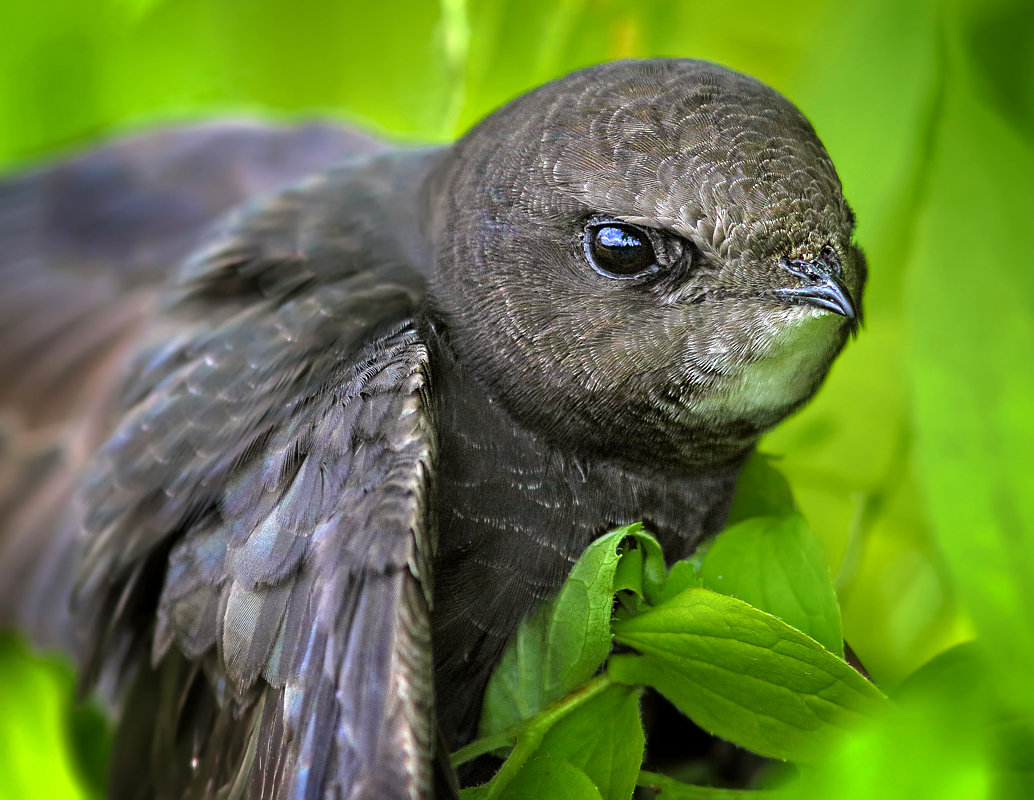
390 406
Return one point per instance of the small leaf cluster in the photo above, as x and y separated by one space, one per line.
745 639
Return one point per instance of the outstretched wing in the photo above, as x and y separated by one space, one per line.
84 246
263 501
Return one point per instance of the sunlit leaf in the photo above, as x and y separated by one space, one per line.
934 740
566 640
777 565
683 575
670 789
761 491
743 674
36 697
603 738
541 778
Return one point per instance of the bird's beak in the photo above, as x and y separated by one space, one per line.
821 284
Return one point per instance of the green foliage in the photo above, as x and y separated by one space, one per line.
546 777
736 670
741 674
933 741
761 491
566 641
972 379
612 759
65 754
777 564
911 466
555 653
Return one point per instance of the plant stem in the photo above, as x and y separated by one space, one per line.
676 790
526 737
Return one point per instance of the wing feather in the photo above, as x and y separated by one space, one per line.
87 243
272 462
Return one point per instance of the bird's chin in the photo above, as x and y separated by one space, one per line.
792 355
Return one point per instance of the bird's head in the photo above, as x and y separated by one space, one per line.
651 261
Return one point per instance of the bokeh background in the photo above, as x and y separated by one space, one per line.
913 464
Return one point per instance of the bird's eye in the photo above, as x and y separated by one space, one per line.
619 250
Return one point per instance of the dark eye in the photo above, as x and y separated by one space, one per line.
619 250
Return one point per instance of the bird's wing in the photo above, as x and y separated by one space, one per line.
257 522
84 246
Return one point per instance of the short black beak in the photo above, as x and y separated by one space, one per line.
822 285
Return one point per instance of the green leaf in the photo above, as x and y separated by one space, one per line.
683 575
525 741
935 740
743 674
952 690
629 576
761 491
37 698
563 644
654 572
603 738
671 789
546 778
777 565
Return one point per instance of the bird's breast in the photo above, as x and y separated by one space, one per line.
514 514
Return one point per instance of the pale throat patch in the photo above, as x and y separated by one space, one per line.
791 364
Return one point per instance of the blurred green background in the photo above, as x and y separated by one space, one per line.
913 464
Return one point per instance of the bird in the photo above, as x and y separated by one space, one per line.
298 426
